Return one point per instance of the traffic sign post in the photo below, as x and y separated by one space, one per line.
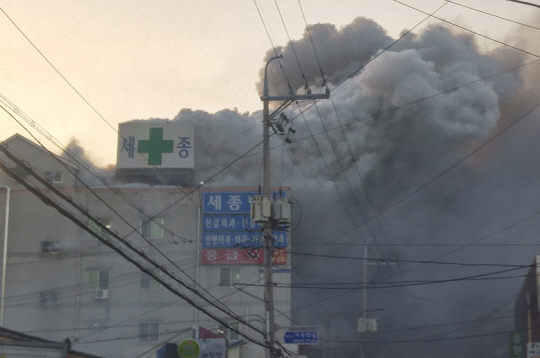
533 350
189 349
301 337
518 345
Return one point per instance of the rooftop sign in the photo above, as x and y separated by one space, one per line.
148 144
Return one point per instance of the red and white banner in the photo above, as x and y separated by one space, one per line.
241 257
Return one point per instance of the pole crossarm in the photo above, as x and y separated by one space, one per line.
296 97
287 100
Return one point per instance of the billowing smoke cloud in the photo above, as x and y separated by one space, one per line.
87 171
393 126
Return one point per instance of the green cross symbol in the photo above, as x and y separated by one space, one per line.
155 146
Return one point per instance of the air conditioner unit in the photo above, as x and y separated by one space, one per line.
101 295
367 325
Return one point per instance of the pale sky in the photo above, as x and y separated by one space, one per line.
134 59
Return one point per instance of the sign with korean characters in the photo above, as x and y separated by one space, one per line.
229 202
218 222
241 240
241 257
226 224
213 348
533 350
518 345
301 337
148 144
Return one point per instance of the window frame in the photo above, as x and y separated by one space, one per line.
96 285
155 224
107 222
233 336
145 332
152 283
54 176
230 276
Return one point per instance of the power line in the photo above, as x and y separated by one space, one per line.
471 31
423 245
56 70
325 130
313 45
525 3
384 261
499 17
20 113
292 47
272 44
48 201
383 285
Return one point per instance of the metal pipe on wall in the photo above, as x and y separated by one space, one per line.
4 256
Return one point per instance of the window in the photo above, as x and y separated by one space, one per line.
98 229
19 171
148 281
152 228
98 279
48 298
52 247
148 332
230 276
53 176
233 336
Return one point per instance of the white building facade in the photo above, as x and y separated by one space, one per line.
61 282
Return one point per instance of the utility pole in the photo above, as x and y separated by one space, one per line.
364 294
364 318
265 204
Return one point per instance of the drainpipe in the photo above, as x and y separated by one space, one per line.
4 257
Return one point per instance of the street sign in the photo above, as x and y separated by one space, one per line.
518 345
301 337
213 348
533 350
189 349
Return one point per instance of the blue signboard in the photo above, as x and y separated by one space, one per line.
220 240
226 222
301 337
229 202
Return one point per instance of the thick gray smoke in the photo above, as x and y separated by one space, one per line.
87 171
394 126
365 167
